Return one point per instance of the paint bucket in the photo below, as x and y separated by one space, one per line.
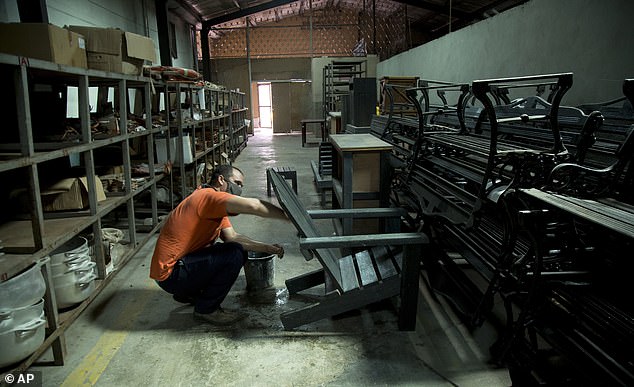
259 270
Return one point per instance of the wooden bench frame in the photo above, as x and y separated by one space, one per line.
355 280
322 170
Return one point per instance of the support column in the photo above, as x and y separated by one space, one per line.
162 24
204 45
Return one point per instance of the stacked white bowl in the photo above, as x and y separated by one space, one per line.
73 272
22 322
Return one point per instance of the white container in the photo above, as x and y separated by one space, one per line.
13 318
75 248
21 341
71 293
24 289
78 267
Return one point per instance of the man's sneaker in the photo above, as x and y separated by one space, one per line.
221 316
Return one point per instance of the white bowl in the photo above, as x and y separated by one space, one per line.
15 317
65 267
24 289
21 341
71 293
76 270
75 248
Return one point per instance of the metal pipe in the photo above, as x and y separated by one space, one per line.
250 129
374 26
310 18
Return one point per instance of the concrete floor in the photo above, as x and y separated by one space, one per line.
135 334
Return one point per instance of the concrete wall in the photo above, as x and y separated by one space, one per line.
234 73
137 16
592 39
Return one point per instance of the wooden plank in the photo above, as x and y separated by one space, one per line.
357 213
305 281
366 240
613 218
358 142
304 224
383 258
398 259
409 287
313 121
349 279
331 306
366 268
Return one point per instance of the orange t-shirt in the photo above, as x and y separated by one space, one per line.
192 225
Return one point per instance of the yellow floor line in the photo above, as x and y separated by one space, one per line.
94 364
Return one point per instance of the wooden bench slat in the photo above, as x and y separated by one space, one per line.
349 279
305 224
613 218
383 259
366 268
398 258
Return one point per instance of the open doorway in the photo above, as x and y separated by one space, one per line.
265 107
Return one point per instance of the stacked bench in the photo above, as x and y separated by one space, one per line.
322 170
487 186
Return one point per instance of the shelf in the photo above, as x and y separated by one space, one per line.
67 317
337 76
42 156
65 72
52 230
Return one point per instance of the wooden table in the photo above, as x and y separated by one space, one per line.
320 121
361 173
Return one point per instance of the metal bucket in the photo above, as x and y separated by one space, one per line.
259 270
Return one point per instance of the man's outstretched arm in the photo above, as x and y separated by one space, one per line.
240 205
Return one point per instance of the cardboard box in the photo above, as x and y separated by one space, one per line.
366 176
43 41
114 50
70 194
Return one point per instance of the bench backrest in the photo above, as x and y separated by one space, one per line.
304 223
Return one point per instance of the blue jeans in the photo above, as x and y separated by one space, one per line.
206 275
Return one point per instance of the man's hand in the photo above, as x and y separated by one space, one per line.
277 249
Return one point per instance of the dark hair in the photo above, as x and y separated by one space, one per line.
225 170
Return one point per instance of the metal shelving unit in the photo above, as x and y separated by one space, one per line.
214 122
212 119
26 159
239 126
337 76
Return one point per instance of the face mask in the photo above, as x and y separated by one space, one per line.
233 188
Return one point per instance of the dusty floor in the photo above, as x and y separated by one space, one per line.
135 334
